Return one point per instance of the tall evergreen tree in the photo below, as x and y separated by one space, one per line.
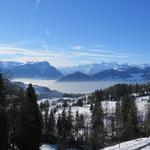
119 121
97 132
12 123
62 128
29 130
77 125
130 122
3 116
51 128
147 120
45 108
70 126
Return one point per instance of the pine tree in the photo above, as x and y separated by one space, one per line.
29 130
45 108
119 120
62 128
97 133
82 121
12 123
77 125
130 122
51 128
147 120
113 129
3 116
70 126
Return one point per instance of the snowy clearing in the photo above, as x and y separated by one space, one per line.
141 143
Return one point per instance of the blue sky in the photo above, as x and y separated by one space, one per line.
72 32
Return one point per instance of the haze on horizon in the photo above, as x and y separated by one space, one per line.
68 33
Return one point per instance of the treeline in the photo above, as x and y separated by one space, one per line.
120 90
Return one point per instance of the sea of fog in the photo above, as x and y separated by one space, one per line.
68 87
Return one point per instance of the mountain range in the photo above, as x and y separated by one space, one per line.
87 72
91 69
132 74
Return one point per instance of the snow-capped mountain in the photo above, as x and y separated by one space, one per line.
41 70
131 74
87 72
94 68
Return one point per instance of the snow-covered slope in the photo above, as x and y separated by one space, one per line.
136 144
140 143
109 108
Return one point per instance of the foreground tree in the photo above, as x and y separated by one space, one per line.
147 121
3 116
29 128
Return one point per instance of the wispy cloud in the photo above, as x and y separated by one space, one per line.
99 45
77 47
60 56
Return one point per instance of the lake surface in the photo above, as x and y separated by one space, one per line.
69 87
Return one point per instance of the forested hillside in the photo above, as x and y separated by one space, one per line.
91 122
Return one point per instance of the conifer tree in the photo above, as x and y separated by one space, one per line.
70 126
119 121
3 116
77 125
147 120
130 122
12 123
45 108
29 130
62 128
97 133
51 128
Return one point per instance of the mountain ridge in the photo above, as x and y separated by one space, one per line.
30 70
129 74
93 68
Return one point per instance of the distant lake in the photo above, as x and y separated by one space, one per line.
68 87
